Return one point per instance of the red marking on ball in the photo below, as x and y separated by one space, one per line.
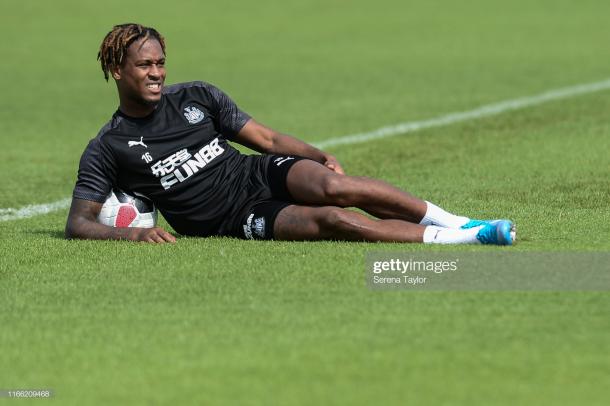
125 216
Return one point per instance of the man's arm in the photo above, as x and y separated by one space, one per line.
265 140
82 224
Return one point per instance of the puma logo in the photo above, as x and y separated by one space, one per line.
134 143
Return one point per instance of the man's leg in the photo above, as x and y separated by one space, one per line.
329 222
335 223
312 183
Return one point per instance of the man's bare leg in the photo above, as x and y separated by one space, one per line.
335 223
312 183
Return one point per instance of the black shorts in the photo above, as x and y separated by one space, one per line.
257 221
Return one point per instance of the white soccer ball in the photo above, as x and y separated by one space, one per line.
124 210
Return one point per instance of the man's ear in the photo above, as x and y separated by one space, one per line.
116 72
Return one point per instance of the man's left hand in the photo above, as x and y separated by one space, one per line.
332 164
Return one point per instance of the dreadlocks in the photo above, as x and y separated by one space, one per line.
116 42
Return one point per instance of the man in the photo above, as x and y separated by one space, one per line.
170 144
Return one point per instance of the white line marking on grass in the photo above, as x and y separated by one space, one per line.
383 132
451 118
33 210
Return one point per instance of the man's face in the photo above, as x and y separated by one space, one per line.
141 76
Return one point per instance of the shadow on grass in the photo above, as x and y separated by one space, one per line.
59 234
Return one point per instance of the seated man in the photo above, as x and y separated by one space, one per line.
170 144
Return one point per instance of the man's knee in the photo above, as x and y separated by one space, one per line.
344 191
339 189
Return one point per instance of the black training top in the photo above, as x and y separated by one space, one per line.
178 156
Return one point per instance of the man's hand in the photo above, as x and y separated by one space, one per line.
332 164
155 235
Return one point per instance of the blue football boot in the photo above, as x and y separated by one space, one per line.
496 232
477 223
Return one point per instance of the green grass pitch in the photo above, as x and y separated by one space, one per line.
221 321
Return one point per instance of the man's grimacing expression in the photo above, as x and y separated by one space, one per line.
141 76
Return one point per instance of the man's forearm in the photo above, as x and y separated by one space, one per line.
268 141
287 145
82 224
90 230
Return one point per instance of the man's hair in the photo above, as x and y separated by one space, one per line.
116 42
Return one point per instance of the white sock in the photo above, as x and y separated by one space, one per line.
435 216
441 235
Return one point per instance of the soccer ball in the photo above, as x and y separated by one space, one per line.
124 210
